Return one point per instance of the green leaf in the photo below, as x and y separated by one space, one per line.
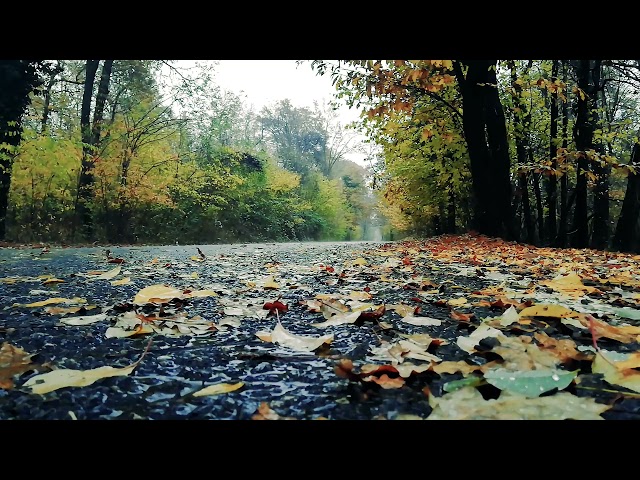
463 382
530 383
627 312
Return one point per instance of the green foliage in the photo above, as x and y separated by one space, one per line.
43 188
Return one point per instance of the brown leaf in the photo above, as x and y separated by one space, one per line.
374 315
265 412
387 382
463 317
13 361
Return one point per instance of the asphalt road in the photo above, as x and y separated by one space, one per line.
219 332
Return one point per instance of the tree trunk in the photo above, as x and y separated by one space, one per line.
18 78
551 179
451 212
90 140
539 207
486 135
521 121
523 193
600 236
627 235
561 239
583 136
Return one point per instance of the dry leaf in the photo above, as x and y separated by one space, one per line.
50 301
50 381
295 342
218 388
13 361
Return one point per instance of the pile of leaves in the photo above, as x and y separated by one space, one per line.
480 327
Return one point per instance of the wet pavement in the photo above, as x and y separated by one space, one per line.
215 333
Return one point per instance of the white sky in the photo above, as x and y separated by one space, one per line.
267 81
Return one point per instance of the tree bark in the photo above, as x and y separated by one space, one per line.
486 135
551 179
601 215
521 121
90 141
561 239
18 78
627 234
583 136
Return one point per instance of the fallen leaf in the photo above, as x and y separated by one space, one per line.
270 284
614 366
265 412
295 342
547 310
468 344
108 275
218 388
468 404
157 294
83 320
530 383
50 301
62 378
13 361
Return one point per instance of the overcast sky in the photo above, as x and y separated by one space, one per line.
267 81
263 82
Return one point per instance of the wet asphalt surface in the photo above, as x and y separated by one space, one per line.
171 368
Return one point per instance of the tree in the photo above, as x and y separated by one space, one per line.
90 132
18 79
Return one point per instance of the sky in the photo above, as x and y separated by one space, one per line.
267 81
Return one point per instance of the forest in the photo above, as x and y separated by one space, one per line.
543 152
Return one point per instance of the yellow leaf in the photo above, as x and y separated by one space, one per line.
304 343
50 301
122 281
547 310
359 295
201 293
50 381
218 389
108 275
270 283
617 372
84 320
52 280
570 284
458 302
157 294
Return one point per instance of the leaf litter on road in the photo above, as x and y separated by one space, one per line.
531 323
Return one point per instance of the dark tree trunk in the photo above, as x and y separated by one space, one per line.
486 135
627 234
600 236
91 140
583 136
523 194
85 178
101 98
539 207
521 121
47 103
551 179
561 239
18 78
451 212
